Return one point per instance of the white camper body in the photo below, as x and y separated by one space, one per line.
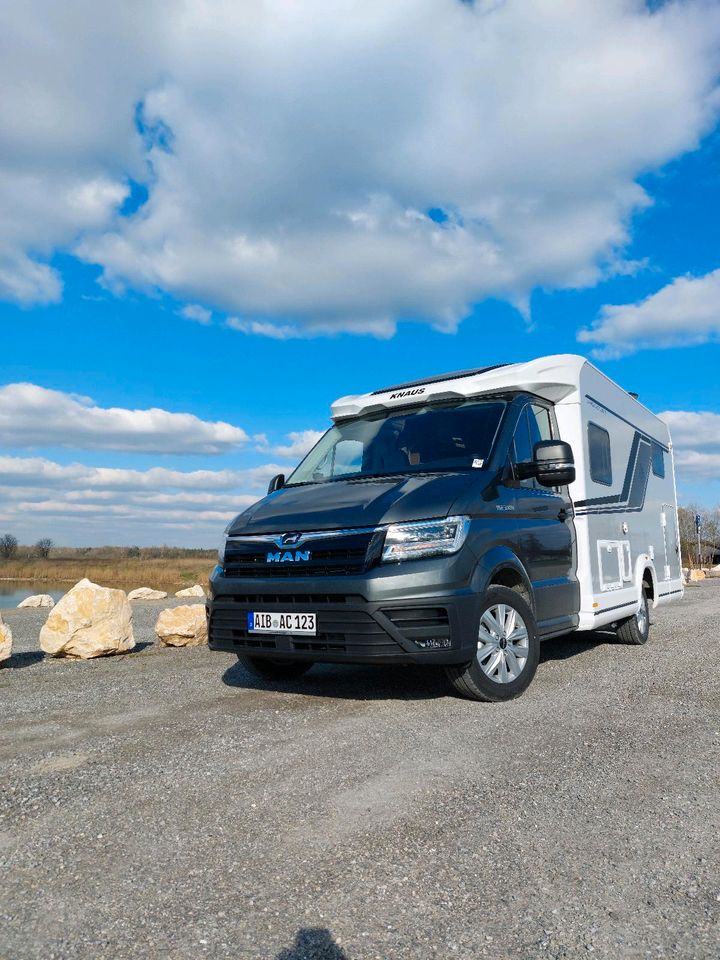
624 499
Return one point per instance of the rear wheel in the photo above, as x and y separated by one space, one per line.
508 650
268 669
636 630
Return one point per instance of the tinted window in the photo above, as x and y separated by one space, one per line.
541 416
599 452
658 460
522 445
441 437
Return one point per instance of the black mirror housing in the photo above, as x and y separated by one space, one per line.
277 483
553 462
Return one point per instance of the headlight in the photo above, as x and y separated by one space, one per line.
427 538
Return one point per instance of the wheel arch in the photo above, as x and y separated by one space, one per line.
646 575
501 567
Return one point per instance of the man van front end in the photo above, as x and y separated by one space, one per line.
396 592
405 536
368 553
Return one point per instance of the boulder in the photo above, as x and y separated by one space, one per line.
38 600
5 641
183 626
696 575
196 591
89 621
146 593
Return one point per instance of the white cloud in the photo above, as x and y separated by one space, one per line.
193 311
77 504
694 465
696 443
685 312
301 441
698 431
43 473
33 416
293 152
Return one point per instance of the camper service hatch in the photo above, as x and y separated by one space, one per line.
458 521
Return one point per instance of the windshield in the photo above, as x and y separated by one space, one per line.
424 439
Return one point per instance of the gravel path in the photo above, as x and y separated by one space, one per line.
163 804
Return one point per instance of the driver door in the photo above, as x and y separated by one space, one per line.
546 531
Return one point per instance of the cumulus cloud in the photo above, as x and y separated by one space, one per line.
683 313
696 442
193 311
301 442
323 166
78 504
33 416
41 472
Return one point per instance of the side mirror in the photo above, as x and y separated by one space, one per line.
554 464
277 482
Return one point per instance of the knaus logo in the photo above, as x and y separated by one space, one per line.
288 556
407 393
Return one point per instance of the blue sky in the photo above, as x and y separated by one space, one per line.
328 276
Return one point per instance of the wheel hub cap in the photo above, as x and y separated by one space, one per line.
503 643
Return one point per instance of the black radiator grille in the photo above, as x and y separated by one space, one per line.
285 600
337 556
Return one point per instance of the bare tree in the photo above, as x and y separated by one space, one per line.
43 547
8 546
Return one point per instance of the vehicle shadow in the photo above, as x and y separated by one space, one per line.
573 644
345 681
313 943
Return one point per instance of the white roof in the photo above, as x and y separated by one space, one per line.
555 378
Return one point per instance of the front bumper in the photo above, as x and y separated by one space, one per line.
415 612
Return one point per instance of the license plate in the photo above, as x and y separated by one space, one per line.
300 623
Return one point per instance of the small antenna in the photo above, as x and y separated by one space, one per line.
633 394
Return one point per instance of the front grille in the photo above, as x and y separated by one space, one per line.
284 600
338 556
340 632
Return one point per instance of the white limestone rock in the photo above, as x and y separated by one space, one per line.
183 626
196 591
5 641
38 600
147 593
89 621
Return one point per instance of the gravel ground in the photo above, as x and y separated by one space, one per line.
164 804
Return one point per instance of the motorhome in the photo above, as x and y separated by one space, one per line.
457 520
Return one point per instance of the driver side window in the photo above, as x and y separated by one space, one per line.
521 449
532 427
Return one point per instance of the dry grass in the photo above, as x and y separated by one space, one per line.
140 571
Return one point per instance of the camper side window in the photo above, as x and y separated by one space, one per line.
658 460
599 451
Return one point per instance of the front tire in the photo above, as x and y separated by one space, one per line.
508 650
267 669
636 630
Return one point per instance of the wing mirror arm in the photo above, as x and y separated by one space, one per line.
277 483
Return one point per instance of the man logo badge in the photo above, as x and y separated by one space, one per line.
288 556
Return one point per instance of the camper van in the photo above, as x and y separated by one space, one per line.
457 521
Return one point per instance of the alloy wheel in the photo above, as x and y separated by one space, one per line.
503 643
